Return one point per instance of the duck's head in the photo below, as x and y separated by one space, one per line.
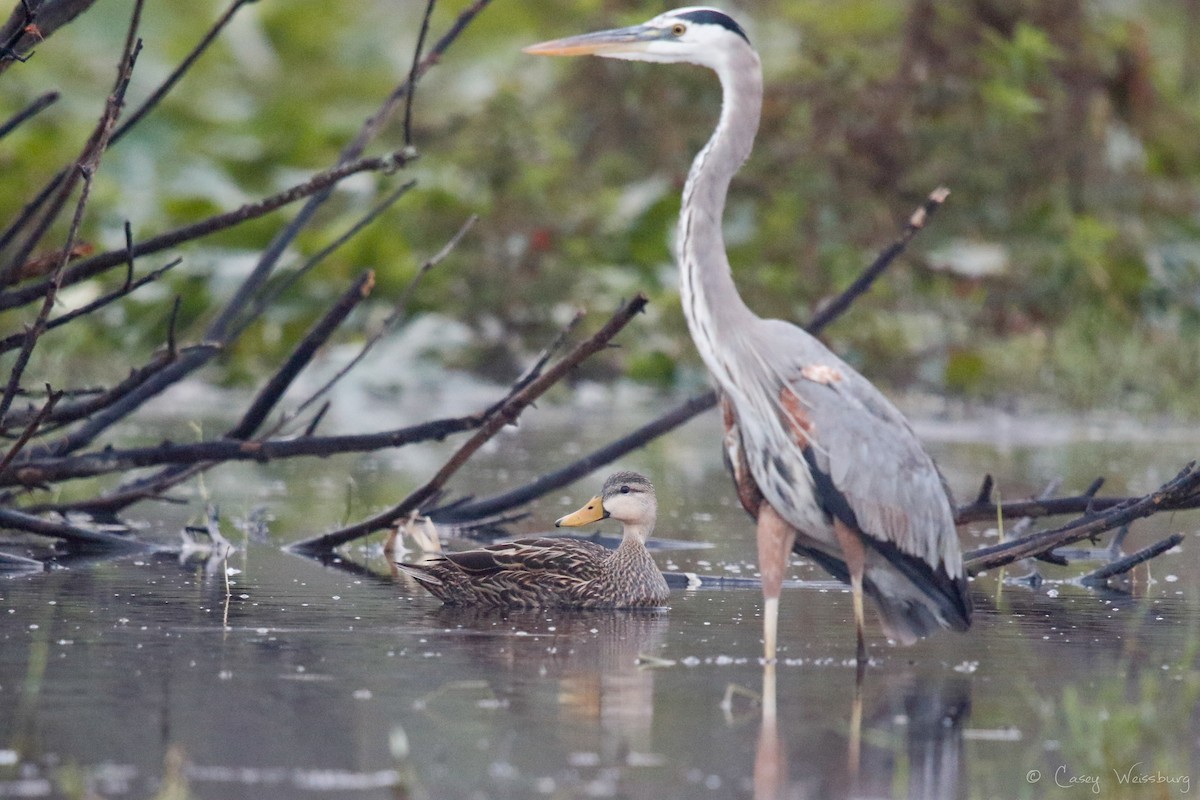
626 497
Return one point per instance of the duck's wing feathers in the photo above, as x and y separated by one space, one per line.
544 554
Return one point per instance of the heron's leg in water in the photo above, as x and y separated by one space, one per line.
775 539
855 554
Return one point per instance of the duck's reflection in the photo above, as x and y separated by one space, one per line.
928 713
592 655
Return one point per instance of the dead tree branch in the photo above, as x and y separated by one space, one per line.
76 537
33 109
505 415
1182 491
101 262
1102 575
85 169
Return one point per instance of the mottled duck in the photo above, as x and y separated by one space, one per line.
548 572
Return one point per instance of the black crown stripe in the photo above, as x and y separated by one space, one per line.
708 16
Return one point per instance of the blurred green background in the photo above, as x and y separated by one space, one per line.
1065 267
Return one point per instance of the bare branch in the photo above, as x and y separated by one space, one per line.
101 262
31 110
302 355
390 322
916 224
35 471
52 399
1182 491
412 73
503 416
14 341
89 161
1119 567
78 538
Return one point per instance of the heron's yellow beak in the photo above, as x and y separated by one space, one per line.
592 511
614 42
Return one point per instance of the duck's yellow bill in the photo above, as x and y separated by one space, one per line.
592 511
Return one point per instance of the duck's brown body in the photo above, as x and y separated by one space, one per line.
546 573
551 572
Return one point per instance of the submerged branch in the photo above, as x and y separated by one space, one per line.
1182 491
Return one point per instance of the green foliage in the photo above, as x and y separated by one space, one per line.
1062 129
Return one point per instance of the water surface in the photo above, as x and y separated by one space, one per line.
273 676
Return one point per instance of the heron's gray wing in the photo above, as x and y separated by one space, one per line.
869 471
887 486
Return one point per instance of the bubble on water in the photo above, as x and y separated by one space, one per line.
362 694
583 759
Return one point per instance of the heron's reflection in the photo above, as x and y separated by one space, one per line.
928 712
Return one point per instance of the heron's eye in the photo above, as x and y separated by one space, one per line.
678 29
624 490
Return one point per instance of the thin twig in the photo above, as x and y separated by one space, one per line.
916 223
67 413
1119 567
37 106
90 267
156 97
52 399
40 470
273 291
412 73
389 323
301 355
88 163
14 341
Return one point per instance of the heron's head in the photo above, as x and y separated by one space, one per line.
626 497
696 35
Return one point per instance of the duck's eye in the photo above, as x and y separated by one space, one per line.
678 29
624 490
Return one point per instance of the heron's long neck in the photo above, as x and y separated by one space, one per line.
711 303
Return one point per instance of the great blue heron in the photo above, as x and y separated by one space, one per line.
821 459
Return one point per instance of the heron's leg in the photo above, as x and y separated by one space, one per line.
775 539
855 555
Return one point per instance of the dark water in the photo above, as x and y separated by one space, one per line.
151 676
